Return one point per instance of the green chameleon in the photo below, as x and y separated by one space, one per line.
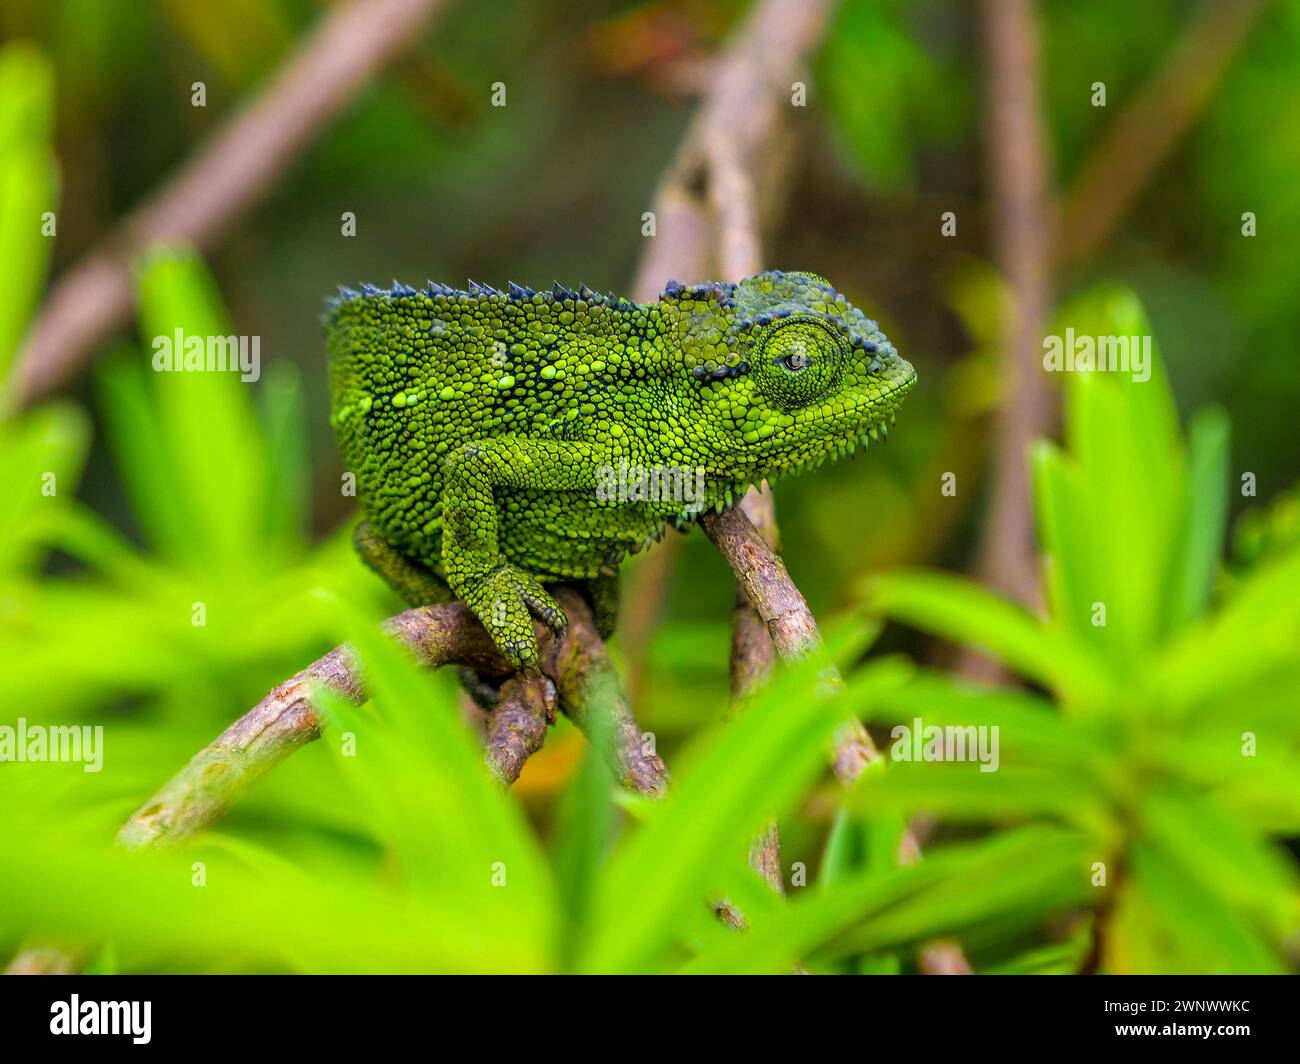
502 441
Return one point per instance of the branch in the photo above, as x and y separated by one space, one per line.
203 792
784 613
730 138
525 708
763 578
588 686
223 179
724 165
1125 160
1018 175
1132 150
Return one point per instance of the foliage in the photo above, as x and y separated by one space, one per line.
1167 731
1162 744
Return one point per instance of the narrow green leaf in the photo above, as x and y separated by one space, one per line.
761 760
967 614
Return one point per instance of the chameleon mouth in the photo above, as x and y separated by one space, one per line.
805 461
875 430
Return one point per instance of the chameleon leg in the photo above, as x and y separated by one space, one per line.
416 584
504 597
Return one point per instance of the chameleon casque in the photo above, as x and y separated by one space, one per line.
487 429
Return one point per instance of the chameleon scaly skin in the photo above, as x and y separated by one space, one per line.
493 434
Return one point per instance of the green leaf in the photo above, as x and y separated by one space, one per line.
1125 511
762 760
586 819
1024 873
1249 641
144 458
959 791
28 183
284 423
41 459
208 425
1207 511
859 844
1217 851
967 614
424 781
1166 921
1030 728
1011 881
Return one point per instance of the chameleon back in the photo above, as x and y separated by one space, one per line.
414 375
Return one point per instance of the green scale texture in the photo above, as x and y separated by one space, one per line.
484 426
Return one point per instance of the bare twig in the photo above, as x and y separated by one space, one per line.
525 708
203 792
707 207
1125 160
588 684
763 578
752 652
225 177
752 658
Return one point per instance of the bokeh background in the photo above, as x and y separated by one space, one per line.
172 491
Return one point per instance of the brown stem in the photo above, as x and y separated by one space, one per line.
706 209
222 180
203 792
590 696
1018 177
525 708
763 579
1126 158
752 658
780 605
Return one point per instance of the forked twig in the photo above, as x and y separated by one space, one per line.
446 634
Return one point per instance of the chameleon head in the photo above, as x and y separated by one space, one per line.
800 375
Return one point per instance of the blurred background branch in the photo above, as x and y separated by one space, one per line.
222 180
1018 179
1031 242
1150 125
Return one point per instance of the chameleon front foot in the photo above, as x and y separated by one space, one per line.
506 601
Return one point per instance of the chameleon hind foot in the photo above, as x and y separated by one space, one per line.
506 601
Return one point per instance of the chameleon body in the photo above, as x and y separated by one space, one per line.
505 440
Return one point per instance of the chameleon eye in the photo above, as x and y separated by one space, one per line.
799 361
